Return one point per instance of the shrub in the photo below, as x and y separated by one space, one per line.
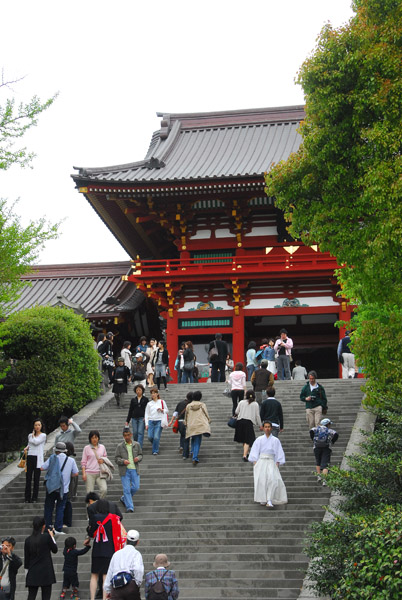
54 363
361 556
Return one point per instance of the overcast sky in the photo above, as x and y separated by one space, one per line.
115 64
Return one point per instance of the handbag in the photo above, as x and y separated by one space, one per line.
227 392
232 422
165 418
188 365
23 460
213 354
175 427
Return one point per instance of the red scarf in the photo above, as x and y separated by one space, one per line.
117 533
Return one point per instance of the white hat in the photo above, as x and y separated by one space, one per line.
133 535
138 355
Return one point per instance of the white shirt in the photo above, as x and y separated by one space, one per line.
126 354
36 445
127 559
152 413
267 445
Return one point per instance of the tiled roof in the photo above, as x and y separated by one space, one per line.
85 285
199 146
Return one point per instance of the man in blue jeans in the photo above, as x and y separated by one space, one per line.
60 468
128 456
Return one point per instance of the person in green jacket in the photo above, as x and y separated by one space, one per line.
313 394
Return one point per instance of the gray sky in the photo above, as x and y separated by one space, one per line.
116 64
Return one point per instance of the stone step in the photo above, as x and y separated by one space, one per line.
221 543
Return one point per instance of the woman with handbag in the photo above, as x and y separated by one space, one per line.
34 460
178 415
188 367
92 458
248 416
196 420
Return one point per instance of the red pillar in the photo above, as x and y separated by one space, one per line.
172 341
238 337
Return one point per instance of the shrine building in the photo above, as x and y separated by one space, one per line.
208 246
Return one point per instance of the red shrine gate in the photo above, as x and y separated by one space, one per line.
209 247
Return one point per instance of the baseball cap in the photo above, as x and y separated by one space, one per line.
133 535
325 422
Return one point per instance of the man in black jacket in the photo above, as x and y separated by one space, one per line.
271 410
9 565
218 361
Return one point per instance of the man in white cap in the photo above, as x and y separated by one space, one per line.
323 438
60 468
126 571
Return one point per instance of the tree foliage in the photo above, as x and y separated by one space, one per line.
15 121
54 363
343 188
19 249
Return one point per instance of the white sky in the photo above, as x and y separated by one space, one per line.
115 64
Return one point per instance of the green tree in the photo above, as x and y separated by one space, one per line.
343 188
19 250
54 363
15 121
19 245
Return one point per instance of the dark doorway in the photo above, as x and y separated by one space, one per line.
314 336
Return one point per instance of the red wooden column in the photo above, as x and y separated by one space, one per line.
238 337
172 340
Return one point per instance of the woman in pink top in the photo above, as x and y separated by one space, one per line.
237 380
91 459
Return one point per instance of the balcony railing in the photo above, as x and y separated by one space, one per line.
239 266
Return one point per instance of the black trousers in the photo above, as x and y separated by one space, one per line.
237 395
46 592
32 471
218 371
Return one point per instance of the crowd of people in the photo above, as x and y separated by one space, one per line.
115 558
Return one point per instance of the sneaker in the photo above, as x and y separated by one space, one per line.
195 463
319 478
155 453
324 484
122 501
130 510
63 595
269 504
59 532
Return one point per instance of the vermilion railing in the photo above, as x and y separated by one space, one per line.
298 261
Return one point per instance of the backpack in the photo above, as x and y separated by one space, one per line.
54 476
321 437
157 590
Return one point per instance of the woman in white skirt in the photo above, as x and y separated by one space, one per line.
266 455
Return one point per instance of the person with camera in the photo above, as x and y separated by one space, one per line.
283 348
9 565
38 563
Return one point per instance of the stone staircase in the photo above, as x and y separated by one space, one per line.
220 543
